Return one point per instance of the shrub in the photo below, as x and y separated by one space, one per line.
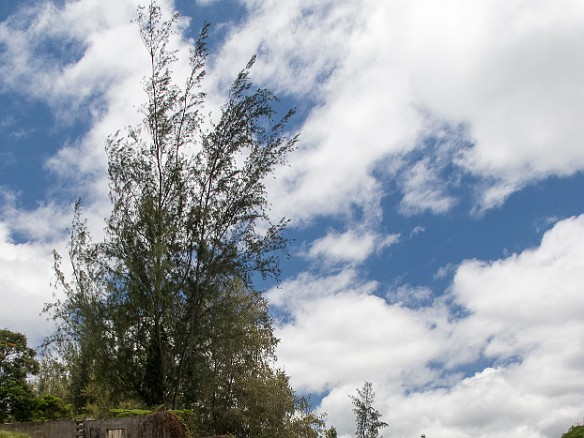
163 424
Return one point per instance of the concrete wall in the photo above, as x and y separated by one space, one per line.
113 428
47 429
128 427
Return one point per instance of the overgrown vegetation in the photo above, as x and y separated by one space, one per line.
164 312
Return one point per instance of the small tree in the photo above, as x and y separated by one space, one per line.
367 418
17 362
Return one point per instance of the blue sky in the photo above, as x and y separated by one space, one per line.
435 197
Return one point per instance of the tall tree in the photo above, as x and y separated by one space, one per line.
367 418
164 311
17 363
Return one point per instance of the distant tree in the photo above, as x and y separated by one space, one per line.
367 418
17 363
574 432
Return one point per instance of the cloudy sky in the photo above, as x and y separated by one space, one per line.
436 197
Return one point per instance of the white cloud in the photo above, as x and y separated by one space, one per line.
517 300
417 230
86 60
43 224
423 191
349 247
519 345
364 110
25 286
509 72
352 333
411 296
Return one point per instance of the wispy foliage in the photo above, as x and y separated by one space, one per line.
164 311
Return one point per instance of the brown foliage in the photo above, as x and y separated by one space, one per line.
163 424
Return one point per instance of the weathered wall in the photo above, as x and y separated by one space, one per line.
109 428
128 427
47 429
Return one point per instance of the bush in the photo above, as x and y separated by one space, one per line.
163 424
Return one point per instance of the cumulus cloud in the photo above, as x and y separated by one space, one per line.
385 87
510 367
25 278
508 72
526 295
339 328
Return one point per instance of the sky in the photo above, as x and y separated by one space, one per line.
435 197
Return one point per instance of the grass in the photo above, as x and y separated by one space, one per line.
6 434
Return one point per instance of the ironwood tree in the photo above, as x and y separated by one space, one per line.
367 418
164 311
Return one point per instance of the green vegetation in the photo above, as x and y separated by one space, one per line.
120 413
17 362
163 313
6 434
51 407
19 401
574 432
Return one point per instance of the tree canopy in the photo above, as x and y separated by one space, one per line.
20 399
17 363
